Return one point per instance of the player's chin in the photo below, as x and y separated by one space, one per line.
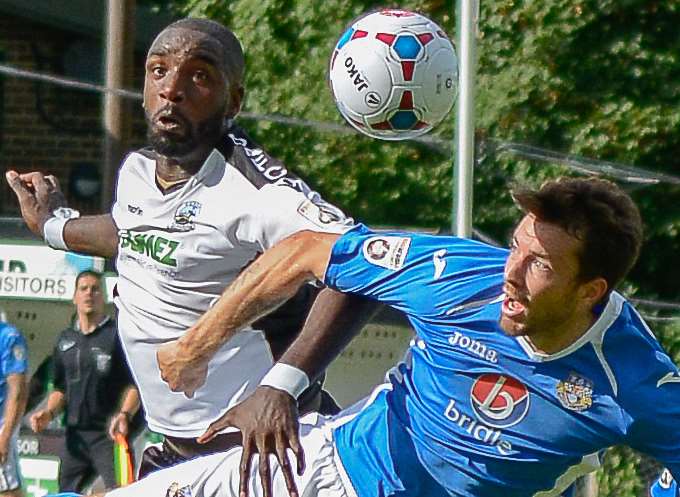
512 326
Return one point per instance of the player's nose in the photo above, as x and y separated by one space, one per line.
173 88
514 271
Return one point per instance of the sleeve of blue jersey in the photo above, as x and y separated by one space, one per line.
15 353
655 412
409 269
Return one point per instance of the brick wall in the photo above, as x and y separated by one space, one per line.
47 127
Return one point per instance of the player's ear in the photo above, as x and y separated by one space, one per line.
591 292
235 100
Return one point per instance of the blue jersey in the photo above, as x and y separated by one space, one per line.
13 358
474 412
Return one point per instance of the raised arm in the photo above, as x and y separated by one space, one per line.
267 283
39 196
268 419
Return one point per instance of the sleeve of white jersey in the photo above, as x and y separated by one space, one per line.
116 210
279 211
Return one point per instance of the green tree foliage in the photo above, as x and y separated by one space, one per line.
599 79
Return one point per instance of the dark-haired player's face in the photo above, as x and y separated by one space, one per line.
543 292
185 92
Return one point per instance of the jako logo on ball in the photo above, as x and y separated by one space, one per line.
394 74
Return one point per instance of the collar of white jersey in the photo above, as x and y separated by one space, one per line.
148 159
595 333
214 160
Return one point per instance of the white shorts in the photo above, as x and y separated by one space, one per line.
10 477
217 475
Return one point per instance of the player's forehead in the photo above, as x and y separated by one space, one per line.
546 238
88 281
184 43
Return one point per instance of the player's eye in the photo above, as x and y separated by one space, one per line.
200 76
158 71
540 265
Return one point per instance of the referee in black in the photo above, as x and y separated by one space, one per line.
93 385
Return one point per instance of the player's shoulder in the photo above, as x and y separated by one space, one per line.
637 359
626 330
66 339
419 246
252 162
140 163
8 331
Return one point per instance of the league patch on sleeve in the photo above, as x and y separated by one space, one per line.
319 214
19 352
387 251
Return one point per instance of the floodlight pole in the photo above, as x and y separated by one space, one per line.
467 14
120 25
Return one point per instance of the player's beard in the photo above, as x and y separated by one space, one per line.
206 132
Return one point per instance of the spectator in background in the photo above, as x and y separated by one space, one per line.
13 394
93 385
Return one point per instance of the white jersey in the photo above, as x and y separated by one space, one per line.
177 253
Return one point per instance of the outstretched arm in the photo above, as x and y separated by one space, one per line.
40 195
267 283
268 419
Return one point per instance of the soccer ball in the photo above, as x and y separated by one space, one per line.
393 74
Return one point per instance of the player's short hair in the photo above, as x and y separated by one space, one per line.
598 213
88 272
234 60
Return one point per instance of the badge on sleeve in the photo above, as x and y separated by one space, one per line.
66 344
19 352
318 213
387 251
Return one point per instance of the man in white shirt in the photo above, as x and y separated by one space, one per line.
190 213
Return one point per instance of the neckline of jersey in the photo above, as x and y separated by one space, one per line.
206 168
595 333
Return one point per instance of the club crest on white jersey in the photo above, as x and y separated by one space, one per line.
185 214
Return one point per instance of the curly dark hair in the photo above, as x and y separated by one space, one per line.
598 213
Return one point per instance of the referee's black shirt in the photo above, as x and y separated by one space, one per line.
92 372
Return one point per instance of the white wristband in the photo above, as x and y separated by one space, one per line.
53 232
287 378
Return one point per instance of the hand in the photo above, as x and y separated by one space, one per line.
119 424
40 419
268 421
38 196
179 370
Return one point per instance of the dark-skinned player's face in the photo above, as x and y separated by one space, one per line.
186 92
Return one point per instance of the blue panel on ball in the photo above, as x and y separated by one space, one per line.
407 46
345 38
403 119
